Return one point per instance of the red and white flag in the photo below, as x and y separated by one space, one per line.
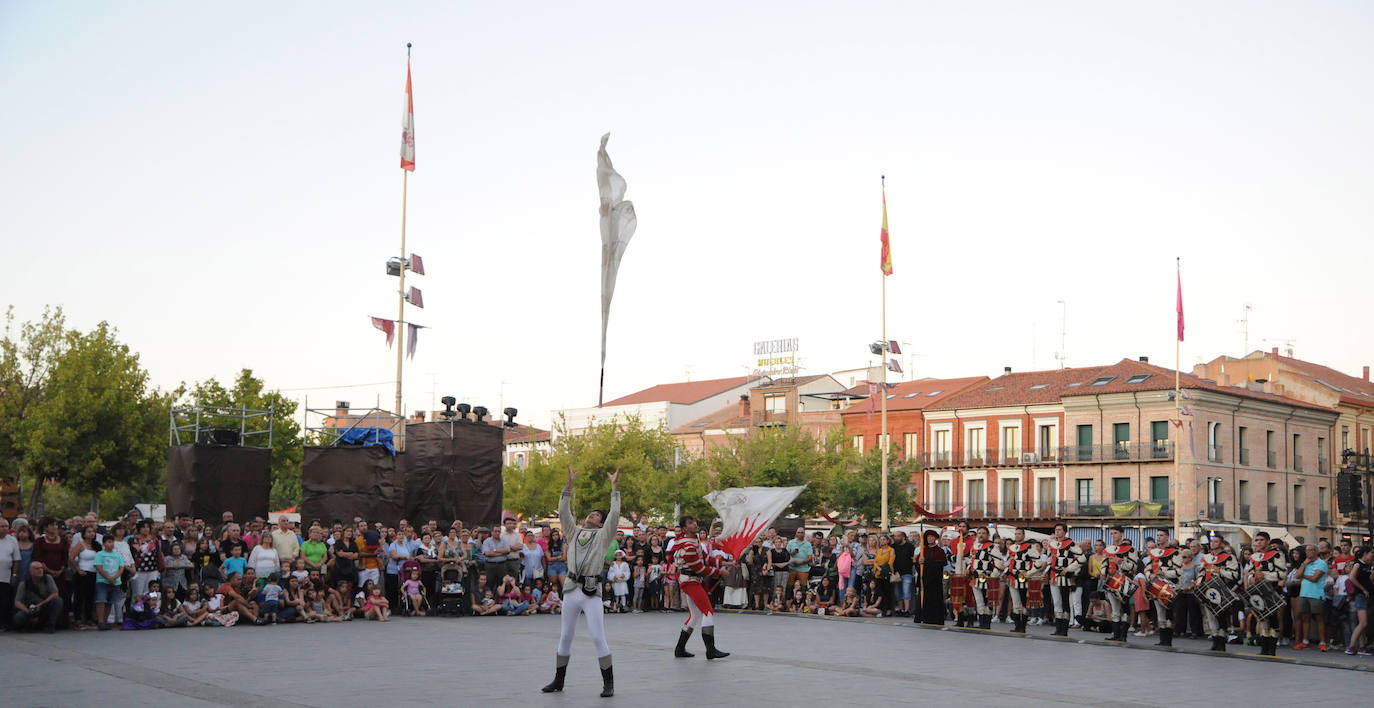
408 127
417 266
415 298
413 339
746 511
1179 306
388 326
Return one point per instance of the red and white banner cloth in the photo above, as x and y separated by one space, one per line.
746 511
408 127
388 326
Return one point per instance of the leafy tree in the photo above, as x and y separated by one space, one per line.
96 425
784 457
248 392
858 488
27 354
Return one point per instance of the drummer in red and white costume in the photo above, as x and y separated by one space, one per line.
1224 565
1022 562
1267 565
1065 560
986 566
695 563
1163 563
1122 559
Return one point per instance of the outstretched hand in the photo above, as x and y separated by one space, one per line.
571 475
615 478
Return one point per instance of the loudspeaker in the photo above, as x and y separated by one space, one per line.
1349 493
208 480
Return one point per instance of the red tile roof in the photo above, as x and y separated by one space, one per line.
521 434
687 392
1124 376
1352 389
917 395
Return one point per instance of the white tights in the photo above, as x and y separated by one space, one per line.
576 603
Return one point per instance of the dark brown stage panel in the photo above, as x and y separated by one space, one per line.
339 483
453 471
208 480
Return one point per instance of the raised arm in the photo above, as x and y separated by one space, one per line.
565 515
613 516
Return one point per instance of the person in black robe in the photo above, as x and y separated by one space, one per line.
932 562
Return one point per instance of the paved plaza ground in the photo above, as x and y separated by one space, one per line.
775 660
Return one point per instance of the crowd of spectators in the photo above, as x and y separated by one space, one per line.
138 574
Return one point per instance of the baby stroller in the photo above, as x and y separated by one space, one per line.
450 590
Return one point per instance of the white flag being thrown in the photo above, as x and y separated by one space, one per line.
618 224
746 511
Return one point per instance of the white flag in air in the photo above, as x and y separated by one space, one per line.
746 511
618 224
408 128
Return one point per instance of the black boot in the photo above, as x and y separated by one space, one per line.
708 635
558 675
607 682
1020 624
681 650
1219 644
985 622
1166 637
1119 630
1061 627
1270 646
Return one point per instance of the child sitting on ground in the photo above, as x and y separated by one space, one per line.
377 606
488 606
551 604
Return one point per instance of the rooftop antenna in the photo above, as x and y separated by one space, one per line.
1062 356
1245 327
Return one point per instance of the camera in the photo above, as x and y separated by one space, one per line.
154 595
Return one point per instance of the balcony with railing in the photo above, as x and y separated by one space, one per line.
1321 465
1273 460
1244 512
1214 453
1154 451
1020 509
1273 515
1127 509
770 418
1324 518
1244 455
987 457
1216 511
1298 515
1297 463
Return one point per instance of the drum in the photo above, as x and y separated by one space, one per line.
1263 600
1218 595
1161 590
1118 585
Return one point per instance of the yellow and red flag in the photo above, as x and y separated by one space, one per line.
887 248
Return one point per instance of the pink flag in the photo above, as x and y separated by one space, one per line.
417 266
1179 307
408 127
415 298
412 339
388 326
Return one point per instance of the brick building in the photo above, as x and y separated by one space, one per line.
813 403
906 405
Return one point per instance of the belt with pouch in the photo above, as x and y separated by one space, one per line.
590 585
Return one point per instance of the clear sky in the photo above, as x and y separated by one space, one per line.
221 182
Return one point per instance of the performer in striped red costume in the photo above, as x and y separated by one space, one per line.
1122 563
695 563
1164 563
1065 560
1225 565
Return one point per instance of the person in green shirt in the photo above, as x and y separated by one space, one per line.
109 570
315 550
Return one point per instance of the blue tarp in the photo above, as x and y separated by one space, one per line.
367 437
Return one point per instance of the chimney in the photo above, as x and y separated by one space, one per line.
1224 379
1006 370
1366 373
340 408
1274 351
1144 359
743 406
419 416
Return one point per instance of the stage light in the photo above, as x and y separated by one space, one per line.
510 417
393 266
479 412
876 348
448 402
463 410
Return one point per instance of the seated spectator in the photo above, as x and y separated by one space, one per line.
551 603
850 607
195 607
512 601
414 591
235 564
143 609
1098 614
36 602
176 578
232 599
338 602
314 609
298 570
874 608
607 598
825 592
376 607
172 614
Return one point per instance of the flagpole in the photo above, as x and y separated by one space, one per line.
882 388
1178 403
401 294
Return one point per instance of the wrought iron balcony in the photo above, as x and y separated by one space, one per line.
1273 460
1273 514
1244 455
1244 512
1298 515
1321 465
1214 453
1129 508
1324 518
1216 511
1157 450
1297 463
